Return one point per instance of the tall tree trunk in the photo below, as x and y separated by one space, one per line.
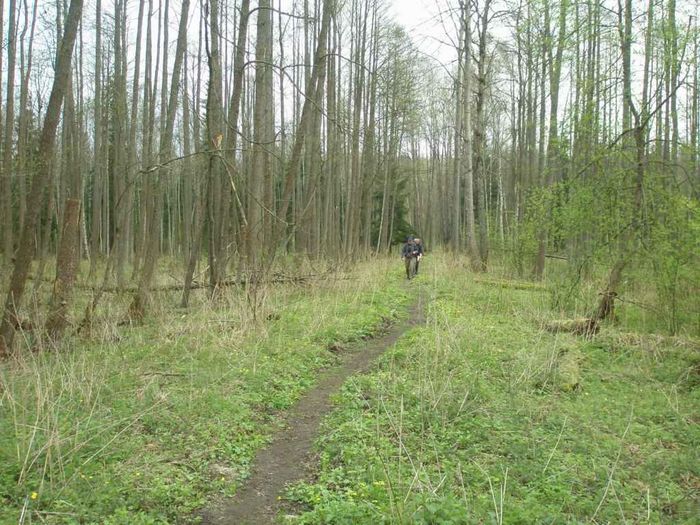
23 139
215 136
456 204
98 180
140 301
606 304
552 166
42 178
7 168
480 140
262 138
67 259
466 140
292 168
5 185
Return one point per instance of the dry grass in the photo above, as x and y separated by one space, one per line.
73 413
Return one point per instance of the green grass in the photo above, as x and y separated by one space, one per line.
144 424
482 417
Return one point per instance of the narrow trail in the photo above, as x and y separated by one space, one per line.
288 457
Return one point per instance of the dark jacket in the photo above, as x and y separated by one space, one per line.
409 248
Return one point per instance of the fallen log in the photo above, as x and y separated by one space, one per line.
198 286
585 326
568 374
516 285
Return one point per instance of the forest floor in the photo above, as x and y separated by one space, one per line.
289 457
477 415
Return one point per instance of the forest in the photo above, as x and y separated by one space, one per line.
203 205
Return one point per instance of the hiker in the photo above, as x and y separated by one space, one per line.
419 248
409 247
408 252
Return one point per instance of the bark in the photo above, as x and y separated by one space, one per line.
466 139
456 238
7 171
480 141
67 260
5 186
215 135
306 113
263 138
552 165
606 304
132 170
41 180
119 139
97 182
142 297
355 184
230 149
23 149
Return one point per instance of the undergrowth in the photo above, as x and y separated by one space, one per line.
482 417
141 425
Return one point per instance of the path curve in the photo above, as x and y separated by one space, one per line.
288 456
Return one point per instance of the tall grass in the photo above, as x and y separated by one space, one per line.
480 416
136 424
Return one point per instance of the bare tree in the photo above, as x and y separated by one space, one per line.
141 299
41 180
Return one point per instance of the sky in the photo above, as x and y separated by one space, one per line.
428 24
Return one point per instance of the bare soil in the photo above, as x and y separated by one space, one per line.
289 457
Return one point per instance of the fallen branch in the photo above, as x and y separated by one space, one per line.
641 305
163 374
512 284
280 279
586 326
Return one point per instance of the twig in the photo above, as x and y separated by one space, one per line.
24 510
612 470
641 305
555 445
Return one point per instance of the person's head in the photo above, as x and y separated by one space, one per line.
409 238
417 241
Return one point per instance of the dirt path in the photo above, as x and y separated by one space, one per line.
288 457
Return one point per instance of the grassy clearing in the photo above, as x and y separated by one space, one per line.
141 425
482 417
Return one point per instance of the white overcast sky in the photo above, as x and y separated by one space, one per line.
428 23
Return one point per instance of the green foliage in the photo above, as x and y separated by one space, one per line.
591 219
144 429
469 420
673 247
